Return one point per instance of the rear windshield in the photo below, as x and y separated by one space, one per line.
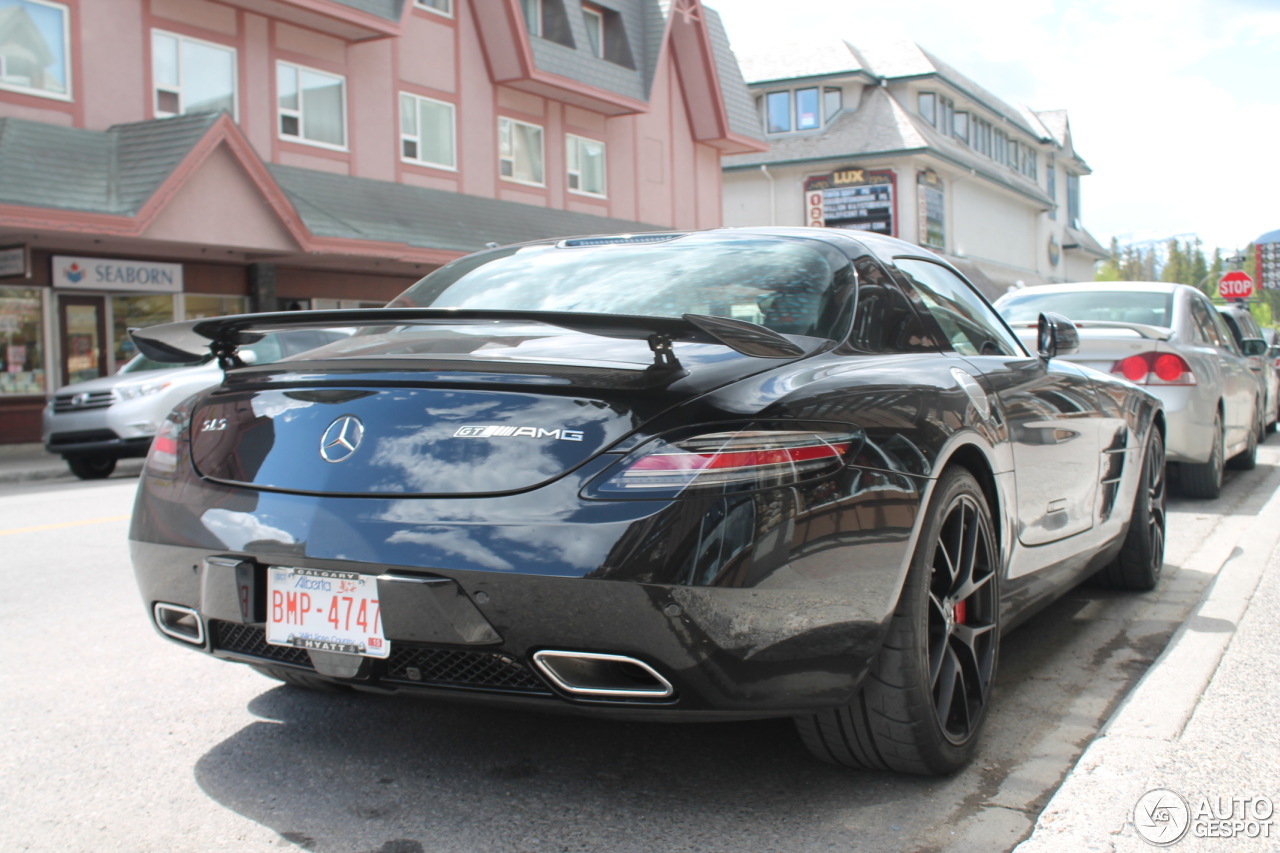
1151 309
793 286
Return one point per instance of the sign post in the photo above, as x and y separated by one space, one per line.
1235 285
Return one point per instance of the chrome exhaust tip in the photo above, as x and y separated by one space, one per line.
601 675
181 623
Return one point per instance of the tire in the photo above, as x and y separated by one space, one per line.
1137 566
936 655
1247 459
1275 417
303 680
1204 480
91 467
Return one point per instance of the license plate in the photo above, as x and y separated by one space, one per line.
325 611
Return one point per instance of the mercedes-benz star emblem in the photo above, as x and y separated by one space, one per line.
341 439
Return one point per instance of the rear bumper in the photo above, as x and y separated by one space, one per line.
729 653
1188 422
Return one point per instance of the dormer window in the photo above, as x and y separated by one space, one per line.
593 17
546 19
813 107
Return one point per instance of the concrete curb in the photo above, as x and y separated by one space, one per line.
1092 808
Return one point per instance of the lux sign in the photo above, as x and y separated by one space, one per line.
116 274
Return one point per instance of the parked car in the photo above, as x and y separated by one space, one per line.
94 424
1251 340
1169 339
719 475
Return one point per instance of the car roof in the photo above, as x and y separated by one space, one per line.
1102 287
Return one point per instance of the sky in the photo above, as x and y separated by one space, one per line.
1174 104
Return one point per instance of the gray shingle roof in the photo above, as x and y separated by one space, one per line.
113 171
387 9
365 209
800 59
880 126
737 99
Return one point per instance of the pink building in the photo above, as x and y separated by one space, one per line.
169 159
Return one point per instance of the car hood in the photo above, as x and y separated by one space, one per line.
444 411
106 383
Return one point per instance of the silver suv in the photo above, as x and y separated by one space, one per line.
1252 341
95 423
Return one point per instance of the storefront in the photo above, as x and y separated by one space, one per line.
64 318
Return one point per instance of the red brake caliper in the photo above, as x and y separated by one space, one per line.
961 612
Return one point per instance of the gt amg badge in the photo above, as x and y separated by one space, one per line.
517 432
341 439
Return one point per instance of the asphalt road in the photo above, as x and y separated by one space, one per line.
116 740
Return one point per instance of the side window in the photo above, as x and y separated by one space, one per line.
884 321
1227 332
1205 329
970 325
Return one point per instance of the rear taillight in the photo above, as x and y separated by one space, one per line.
1155 368
726 461
163 458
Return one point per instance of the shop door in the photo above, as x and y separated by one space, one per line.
82 323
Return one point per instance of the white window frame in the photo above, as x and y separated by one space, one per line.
447 13
280 111
573 138
512 178
588 13
532 27
453 132
155 87
66 54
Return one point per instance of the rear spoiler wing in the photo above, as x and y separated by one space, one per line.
1151 333
189 341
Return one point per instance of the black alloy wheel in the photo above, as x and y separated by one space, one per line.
1204 480
962 618
1141 558
95 467
924 701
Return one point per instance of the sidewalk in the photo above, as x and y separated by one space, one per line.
1204 723
25 462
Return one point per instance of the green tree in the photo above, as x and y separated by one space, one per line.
1109 270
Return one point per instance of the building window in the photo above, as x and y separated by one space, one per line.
960 127
312 105
1051 183
136 311
928 107
34 48
832 103
546 19
1030 167
520 152
999 147
532 16
426 131
192 76
594 19
440 7
585 159
21 340
808 106
981 136
778 107
1073 200
946 114
197 306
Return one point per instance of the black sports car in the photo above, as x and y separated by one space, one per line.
716 475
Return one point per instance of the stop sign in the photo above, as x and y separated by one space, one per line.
1235 285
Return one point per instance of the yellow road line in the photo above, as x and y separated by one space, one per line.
40 527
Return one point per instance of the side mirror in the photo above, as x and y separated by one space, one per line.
1254 346
1057 336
